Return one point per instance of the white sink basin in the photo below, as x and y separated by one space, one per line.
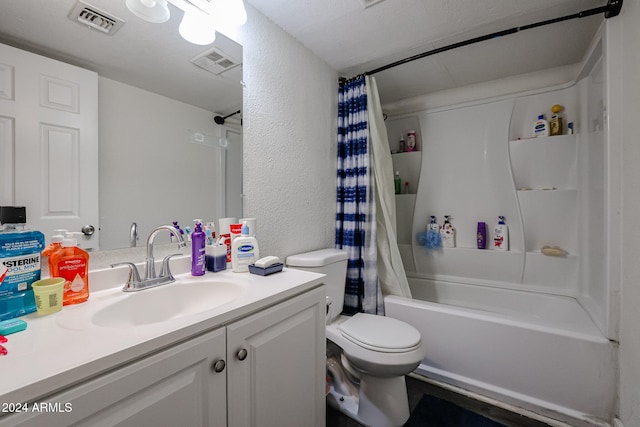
166 302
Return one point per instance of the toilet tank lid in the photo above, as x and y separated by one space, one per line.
318 258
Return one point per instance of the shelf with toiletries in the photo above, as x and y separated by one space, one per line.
408 167
489 249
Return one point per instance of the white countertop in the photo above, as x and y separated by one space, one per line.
60 349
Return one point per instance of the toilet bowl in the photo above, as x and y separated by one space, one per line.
368 356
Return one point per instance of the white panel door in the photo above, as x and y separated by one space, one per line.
49 142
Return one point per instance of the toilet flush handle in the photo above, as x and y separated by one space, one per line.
329 301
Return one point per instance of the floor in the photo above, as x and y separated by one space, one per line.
415 390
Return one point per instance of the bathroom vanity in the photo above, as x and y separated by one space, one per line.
252 356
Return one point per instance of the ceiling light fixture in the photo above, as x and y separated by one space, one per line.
155 11
198 25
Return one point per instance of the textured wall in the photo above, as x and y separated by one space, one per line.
289 136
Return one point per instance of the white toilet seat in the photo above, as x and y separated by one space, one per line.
376 360
380 333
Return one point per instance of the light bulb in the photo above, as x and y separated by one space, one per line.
197 28
155 11
233 11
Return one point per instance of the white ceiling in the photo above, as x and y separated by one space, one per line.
353 39
149 56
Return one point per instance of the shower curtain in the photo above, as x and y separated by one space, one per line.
363 148
391 273
355 212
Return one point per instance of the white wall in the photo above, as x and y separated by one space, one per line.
624 109
289 134
145 149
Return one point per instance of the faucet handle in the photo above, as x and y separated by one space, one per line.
134 276
166 270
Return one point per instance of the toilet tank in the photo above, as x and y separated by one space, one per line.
333 263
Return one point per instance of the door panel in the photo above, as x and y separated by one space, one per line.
49 142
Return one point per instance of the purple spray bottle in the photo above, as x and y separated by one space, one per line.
198 242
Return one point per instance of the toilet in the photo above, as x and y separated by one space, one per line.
367 355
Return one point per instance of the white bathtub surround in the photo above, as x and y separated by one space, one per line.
538 351
391 274
529 329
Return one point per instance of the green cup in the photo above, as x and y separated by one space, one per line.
48 294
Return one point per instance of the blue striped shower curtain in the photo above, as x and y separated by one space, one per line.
356 207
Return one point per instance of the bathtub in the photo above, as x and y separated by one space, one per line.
536 351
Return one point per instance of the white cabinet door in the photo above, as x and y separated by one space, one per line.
176 387
276 360
49 142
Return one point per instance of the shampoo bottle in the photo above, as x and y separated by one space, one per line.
244 251
71 263
481 236
411 140
397 183
448 233
501 235
198 243
541 126
555 124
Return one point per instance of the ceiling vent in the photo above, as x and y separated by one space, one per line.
368 3
215 61
85 14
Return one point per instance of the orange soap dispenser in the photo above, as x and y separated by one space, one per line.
71 263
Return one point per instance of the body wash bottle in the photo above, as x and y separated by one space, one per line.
397 183
481 236
198 243
541 126
448 233
501 235
244 251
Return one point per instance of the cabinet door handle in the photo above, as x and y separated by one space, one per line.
219 365
242 354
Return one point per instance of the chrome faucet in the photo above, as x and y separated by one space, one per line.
134 283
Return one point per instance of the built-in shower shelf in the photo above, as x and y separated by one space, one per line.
499 253
545 190
408 165
544 162
482 264
550 271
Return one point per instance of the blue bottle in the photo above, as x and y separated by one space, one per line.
198 243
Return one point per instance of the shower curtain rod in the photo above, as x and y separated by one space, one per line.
611 9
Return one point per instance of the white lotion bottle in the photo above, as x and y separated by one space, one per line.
501 235
244 251
541 126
